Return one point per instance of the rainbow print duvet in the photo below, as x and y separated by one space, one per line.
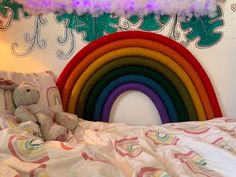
96 149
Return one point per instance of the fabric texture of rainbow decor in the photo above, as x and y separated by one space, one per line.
150 63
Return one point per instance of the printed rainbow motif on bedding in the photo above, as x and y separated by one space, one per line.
161 138
66 146
8 121
151 171
195 130
53 97
28 150
95 157
128 147
195 163
226 145
39 172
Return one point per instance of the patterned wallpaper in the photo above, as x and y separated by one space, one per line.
208 31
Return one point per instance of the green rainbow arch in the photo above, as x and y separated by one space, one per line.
157 66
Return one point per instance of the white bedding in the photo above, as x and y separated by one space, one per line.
98 149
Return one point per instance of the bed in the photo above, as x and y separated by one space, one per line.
194 140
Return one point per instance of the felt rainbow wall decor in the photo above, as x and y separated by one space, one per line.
157 66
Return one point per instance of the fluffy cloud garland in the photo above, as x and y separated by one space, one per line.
123 7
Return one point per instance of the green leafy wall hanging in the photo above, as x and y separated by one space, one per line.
150 22
204 28
6 5
92 27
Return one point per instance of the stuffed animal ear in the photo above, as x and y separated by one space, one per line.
25 83
7 84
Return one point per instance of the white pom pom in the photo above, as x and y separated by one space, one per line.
124 7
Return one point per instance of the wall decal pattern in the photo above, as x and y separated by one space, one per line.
5 21
203 32
33 40
90 27
233 7
68 35
6 5
9 11
204 27
150 22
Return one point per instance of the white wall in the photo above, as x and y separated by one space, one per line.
219 62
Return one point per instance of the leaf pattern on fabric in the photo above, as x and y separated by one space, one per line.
204 28
150 22
91 27
6 5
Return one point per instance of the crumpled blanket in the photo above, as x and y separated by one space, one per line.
96 149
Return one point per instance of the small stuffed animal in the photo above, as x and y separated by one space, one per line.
53 125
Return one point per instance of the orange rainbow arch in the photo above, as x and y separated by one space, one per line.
153 64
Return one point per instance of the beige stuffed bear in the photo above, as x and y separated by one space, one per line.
53 125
